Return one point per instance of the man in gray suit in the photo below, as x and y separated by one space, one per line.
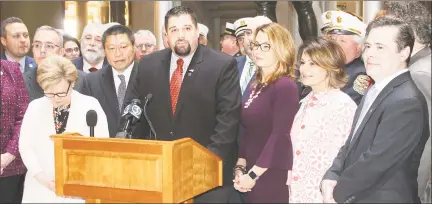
419 17
47 41
380 159
109 84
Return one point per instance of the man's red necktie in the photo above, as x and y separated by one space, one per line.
175 85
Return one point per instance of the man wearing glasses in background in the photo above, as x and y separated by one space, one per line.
16 41
145 43
47 41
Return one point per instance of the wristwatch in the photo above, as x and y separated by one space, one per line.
253 175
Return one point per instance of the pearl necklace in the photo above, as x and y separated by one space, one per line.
253 95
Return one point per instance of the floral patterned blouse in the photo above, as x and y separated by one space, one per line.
61 115
320 128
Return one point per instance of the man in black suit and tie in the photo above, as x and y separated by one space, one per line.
47 41
196 93
109 85
379 161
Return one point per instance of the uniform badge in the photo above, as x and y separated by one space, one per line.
328 15
339 19
361 83
242 22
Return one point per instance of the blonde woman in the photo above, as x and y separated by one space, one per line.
61 110
323 122
265 150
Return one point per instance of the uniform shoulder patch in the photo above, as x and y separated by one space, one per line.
361 83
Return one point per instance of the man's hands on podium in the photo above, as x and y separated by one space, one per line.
43 179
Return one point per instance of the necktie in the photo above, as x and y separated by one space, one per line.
370 97
247 77
121 91
93 69
176 81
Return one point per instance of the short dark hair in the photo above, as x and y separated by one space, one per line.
67 38
116 30
414 13
405 36
180 10
8 21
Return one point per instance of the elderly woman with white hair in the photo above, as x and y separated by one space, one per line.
61 110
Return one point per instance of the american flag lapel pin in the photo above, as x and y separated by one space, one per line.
190 72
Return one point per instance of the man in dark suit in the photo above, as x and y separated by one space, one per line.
196 93
379 160
93 55
46 42
109 85
16 41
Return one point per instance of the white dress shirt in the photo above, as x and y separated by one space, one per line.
127 73
247 73
186 61
87 66
21 62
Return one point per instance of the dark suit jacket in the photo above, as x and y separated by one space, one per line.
381 162
100 85
29 62
241 61
79 64
35 91
209 104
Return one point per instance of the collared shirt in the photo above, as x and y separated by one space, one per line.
127 73
245 77
186 61
87 66
21 62
371 95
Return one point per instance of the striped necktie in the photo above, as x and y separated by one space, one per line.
247 76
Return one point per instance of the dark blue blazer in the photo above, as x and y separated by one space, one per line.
29 62
79 64
241 61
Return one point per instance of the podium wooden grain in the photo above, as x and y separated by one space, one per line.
110 170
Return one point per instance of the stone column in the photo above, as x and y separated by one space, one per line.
161 8
306 19
81 17
217 31
267 8
370 9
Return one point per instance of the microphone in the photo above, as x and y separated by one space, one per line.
152 130
132 114
91 119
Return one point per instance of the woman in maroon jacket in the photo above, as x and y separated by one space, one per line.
14 102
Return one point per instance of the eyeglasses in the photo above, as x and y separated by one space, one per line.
61 95
147 46
265 47
69 50
47 46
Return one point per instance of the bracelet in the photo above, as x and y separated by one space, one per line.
239 167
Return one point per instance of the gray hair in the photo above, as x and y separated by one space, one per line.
148 34
8 21
49 28
416 14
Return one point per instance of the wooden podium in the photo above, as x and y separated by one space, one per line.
103 170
